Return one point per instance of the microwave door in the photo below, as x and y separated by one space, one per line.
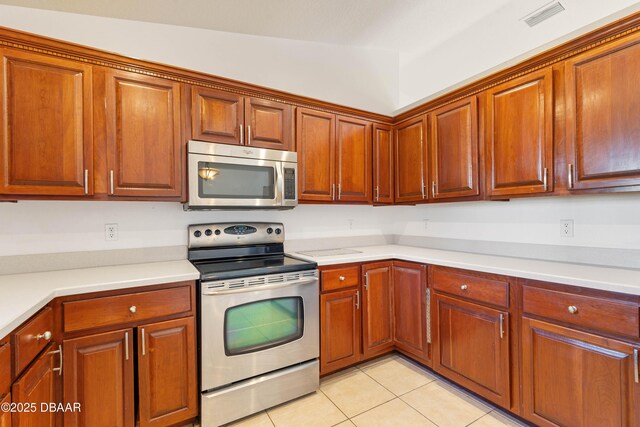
218 181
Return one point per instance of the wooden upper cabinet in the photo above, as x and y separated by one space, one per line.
519 135
409 301
383 164
216 116
269 124
411 161
603 116
453 148
572 378
377 308
353 156
315 143
167 372
98 374
46 132
144 149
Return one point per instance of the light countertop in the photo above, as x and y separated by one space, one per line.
609 279
22 295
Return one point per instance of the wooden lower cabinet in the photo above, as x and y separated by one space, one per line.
377 308
410 309
472 347
5 416
340 329
167 372
573 378
99 374
39 383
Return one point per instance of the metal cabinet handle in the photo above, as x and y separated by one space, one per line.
572 309
366 281
341 278
423 189
570 175
133 309
86 181
241 134
58 351
248 134
636 376
333 191
428 316
111 180
544 179
144 350
464 287
433 188
46 336
126 346
501 325
377 192
339 191
357 300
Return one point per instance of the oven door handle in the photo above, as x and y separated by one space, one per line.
299 282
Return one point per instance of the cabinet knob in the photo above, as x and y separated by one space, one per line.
46 336
464 287
572 309
341 278
133 309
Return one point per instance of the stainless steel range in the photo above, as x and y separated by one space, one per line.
259 320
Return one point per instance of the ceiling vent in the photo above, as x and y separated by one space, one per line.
543 13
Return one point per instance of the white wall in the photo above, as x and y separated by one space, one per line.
356 77
606 221
497 40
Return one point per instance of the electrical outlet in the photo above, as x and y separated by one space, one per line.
426 223
350 224
111 232
566 227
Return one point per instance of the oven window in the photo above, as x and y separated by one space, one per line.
262 324
228 181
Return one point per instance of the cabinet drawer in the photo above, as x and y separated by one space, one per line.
615 317
340 278
5 368
466 285
31 338
123 309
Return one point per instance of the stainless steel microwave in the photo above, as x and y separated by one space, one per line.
241 177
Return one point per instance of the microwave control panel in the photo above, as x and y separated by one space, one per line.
289 183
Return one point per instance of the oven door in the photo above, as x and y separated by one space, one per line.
250 331
219 181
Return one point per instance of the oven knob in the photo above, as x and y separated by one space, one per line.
197 233
217 232
269 230
278 231
208 232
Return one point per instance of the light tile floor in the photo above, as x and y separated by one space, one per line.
390 391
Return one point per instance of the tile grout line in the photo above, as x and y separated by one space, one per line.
334 404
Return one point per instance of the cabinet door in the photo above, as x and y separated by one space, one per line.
572 378
98 374
144 154
411 161
216 116
602 116
353 155
377 308
5 416
168 389
269 124
519 137
46 131
315 143
409 306
339 329
454 150
382 164
473 347
38 385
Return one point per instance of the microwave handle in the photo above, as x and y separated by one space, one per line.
279 184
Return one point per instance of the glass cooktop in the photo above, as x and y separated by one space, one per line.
253 266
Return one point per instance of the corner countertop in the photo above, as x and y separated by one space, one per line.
625 281
22 295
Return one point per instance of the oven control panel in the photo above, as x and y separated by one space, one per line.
233 234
